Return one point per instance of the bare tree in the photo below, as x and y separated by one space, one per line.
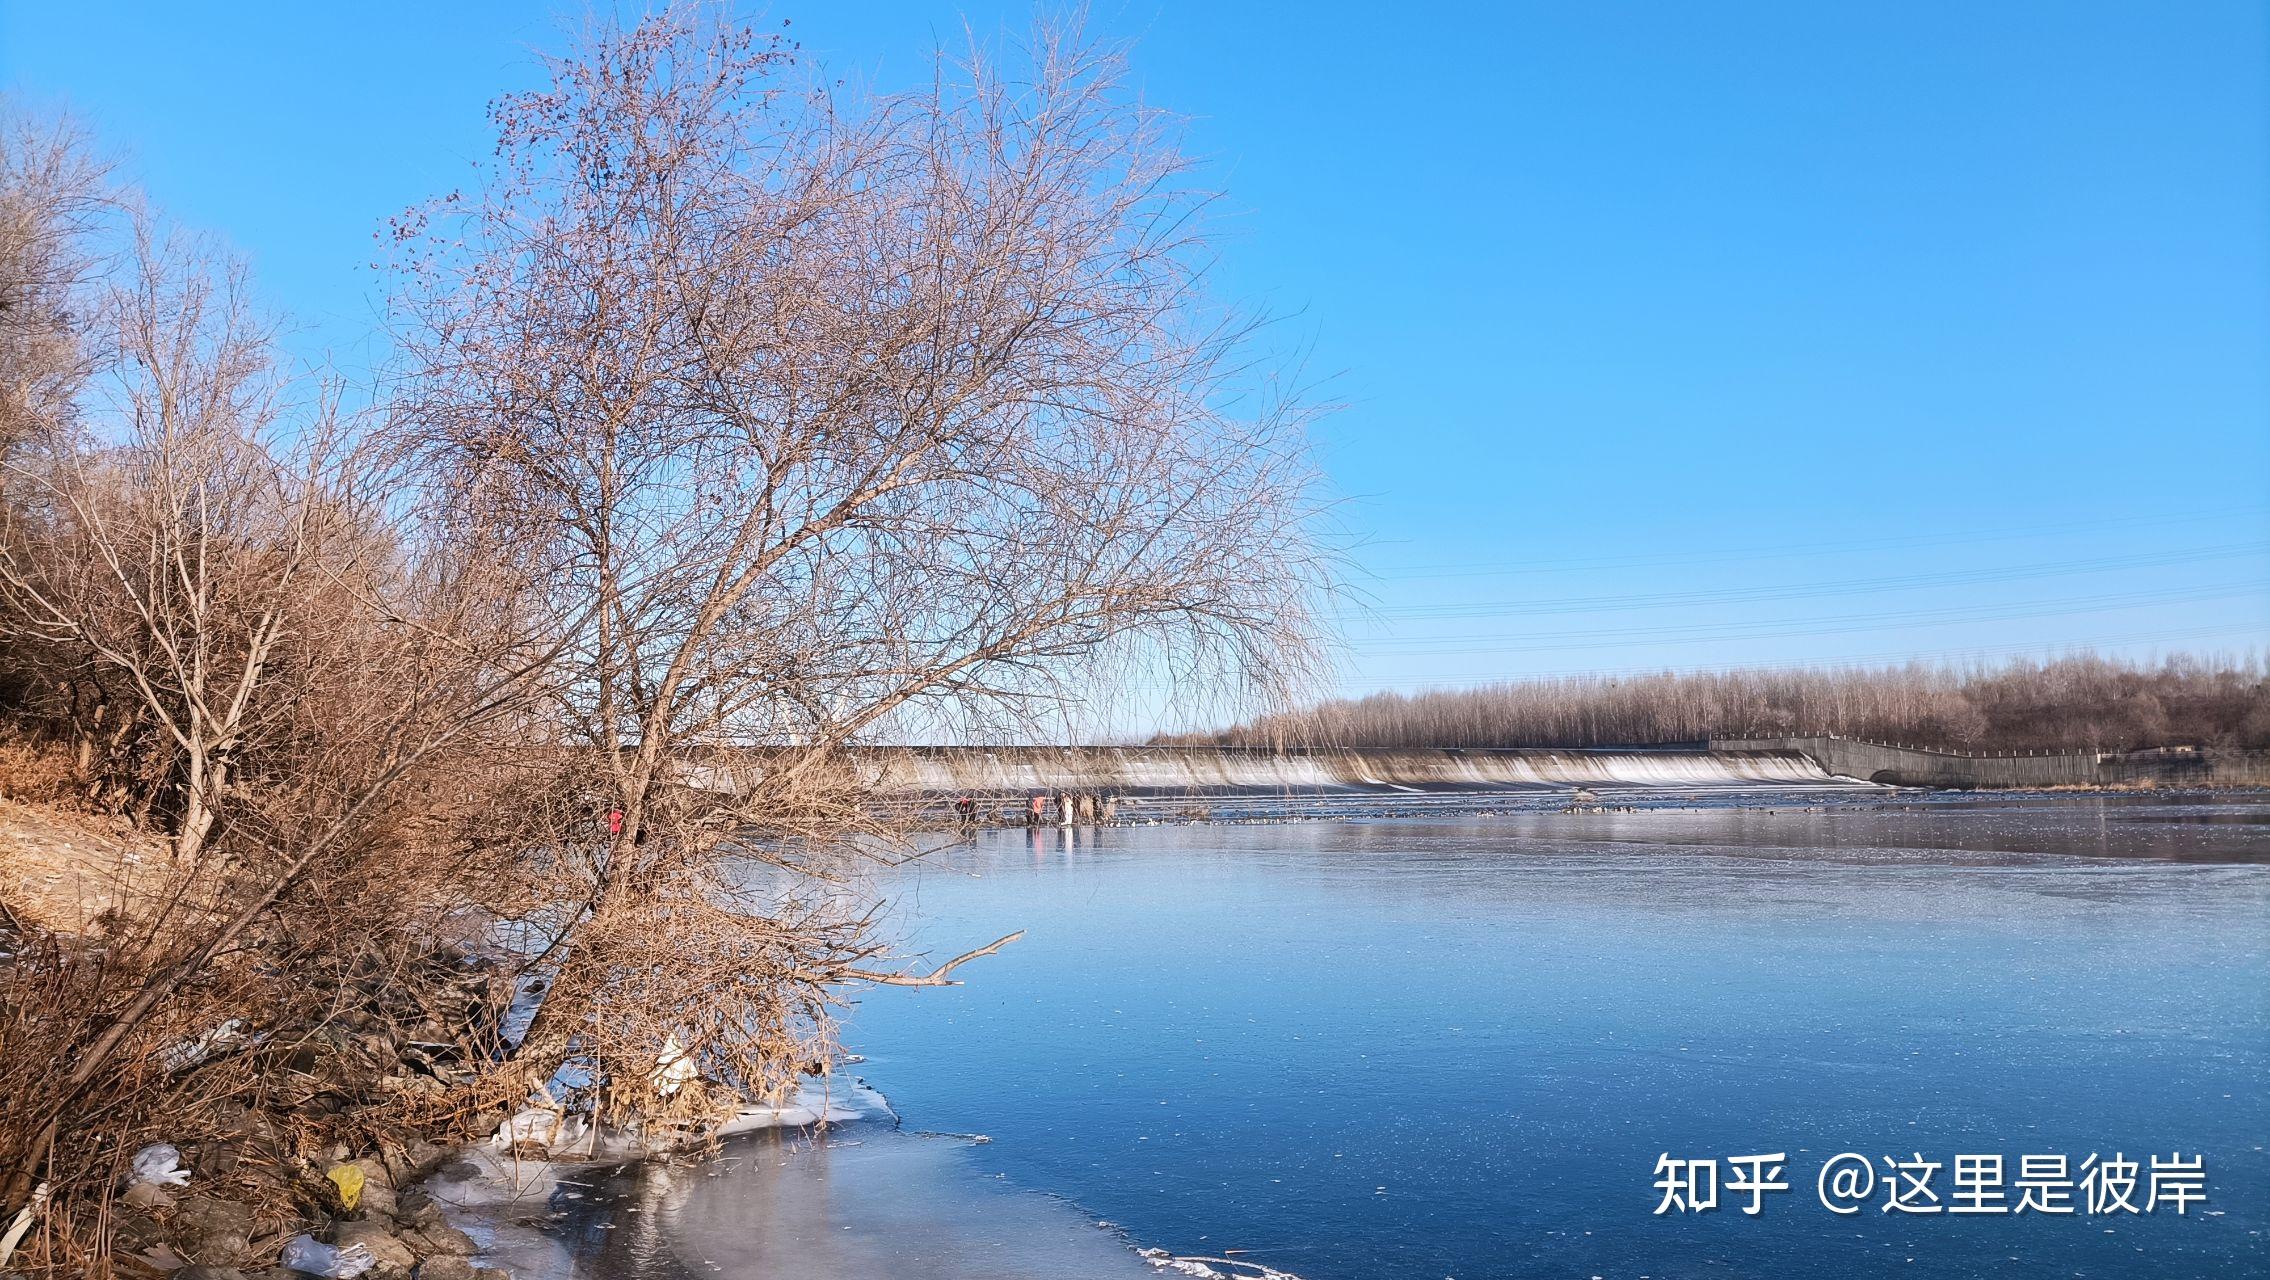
2079 701
173 555
52 194
323 695
808 418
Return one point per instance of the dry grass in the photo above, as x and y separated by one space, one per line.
35 771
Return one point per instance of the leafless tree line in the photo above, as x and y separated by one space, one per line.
736 420
2072 702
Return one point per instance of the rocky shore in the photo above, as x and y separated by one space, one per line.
315 1161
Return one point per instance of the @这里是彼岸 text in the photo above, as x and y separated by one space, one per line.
1847 1182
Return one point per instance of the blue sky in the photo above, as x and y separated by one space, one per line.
1670 335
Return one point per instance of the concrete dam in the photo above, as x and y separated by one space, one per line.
1819 761
1231 771
1902 766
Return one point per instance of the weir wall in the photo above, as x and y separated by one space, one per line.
1232 770
1926 767
1725 764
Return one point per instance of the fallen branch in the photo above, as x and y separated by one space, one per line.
936 977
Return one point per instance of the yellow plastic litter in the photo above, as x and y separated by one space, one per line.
349 1179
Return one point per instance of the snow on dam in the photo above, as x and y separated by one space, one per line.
1234 771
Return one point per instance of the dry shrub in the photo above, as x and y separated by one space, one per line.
160 1086
36 768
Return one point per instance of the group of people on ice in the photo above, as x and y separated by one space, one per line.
1070 808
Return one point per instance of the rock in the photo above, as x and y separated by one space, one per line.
203 1272
392 1254
215 1231
201 1214
217 1160
144 1195
135 1232
439 1238
223 1246
415 1208
378 1198
445 1268
161 1257
460 1168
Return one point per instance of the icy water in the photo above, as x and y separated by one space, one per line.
1446 1047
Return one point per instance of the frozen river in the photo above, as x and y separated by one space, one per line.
1460 1047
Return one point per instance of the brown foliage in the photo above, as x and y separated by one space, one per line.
198 592
810 419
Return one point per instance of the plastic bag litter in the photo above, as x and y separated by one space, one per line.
349 1179
159 1164
674 1068
310 1256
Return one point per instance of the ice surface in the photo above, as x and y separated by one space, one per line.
1453 1046
863 1202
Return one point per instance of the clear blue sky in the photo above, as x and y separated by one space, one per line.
1672 335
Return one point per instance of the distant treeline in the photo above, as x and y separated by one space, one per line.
2084 701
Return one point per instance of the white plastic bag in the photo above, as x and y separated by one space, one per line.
310 1256
674 1068
159 1164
